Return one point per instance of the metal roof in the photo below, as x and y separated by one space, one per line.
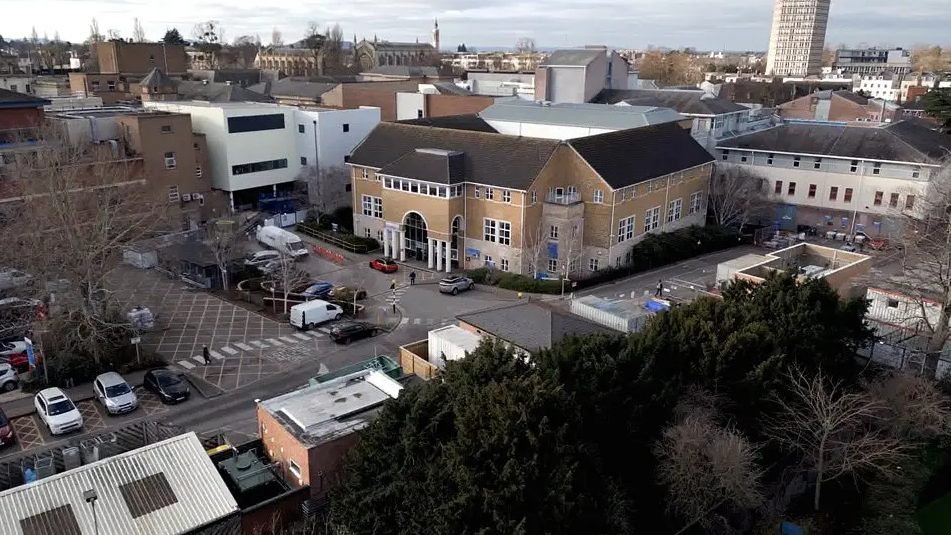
580 57
581 115
167 488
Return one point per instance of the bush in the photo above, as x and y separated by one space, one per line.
478 275
359 241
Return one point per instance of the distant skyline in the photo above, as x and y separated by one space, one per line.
738 25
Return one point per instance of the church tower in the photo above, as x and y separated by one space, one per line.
435 41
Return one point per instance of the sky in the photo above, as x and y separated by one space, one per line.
704 25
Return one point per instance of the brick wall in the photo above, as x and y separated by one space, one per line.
14 118
282 447
445 105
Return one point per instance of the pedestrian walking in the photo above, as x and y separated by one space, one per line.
206 354
393 285
412 278
659 292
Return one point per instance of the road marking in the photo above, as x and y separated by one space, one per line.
259 344
300 336
325 330
323 369
416 321
274 342
185 364
230 350
315 334
289 340
404 321
430 321
243 346
216 355
199 359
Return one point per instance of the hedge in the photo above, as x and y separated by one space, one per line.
654 251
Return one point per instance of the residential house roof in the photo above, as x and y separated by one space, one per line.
581 115
531 325
167 488
12 99
580 57
904 141
408 71
470 122
242 77
490 158
686 101
632 156
435 165
850 96
218 92
287 87
157 78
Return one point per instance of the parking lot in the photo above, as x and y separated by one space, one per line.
32 433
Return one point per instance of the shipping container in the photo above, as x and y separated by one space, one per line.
451 343
627 315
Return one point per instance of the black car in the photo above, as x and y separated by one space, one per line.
348 332
168 386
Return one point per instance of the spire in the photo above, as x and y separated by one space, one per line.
435 24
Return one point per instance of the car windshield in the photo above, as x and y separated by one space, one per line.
388 262
450 279
117 390
3 420
168 380
295 245
61 407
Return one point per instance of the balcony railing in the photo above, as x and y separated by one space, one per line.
565 199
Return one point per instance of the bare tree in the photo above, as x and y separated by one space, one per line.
912 407
706 466
113 35
536 251
285 274
315 40
209 40
835 431
333 46
326 187
571 251
277 39
246 49
95 35
525 45
138 32
227 243
737 195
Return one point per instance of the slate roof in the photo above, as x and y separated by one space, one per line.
470 122
853 97
904 141
581 115
574 57
687 101
531 325
435 165
449 88
218 92
412 71
287 87
12 99
492 159
157 78
632 156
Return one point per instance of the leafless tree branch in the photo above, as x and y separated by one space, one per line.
737 195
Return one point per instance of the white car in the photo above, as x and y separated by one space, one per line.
57 411
9 379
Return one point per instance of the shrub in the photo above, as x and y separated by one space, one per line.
523 283
478 275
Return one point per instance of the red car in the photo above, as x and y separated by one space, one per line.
386 265
6 430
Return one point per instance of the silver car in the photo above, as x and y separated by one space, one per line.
454 284
115 394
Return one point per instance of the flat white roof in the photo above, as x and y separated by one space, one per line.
458 337
587 115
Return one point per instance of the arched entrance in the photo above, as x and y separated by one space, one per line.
416 234
458 233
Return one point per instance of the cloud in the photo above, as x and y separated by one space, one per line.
736 25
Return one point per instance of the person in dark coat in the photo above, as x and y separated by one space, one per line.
206 354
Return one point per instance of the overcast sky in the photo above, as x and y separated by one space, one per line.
733 25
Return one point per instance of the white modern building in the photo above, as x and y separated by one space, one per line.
884 85
500 84
797 37
578 75
562 121
846 177
872 60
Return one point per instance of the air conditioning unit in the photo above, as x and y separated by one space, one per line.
186 196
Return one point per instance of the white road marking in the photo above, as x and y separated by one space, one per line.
323 369
300 336
404 321
242 346
185 364
430 321
274 342
315 334
230 350
289 340
259 344
325 330
416 321
216 355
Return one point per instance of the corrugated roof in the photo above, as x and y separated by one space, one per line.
531 325
904 141
167 488
574 57
687 101
581 115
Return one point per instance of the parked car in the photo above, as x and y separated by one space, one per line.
259 258
345 293
350 331
312 313
386 265
57 411
14 353
115 394
318 289
9 378
168 386
454 284
7 436
276 266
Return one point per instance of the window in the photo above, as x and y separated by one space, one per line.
652 219
778 188
812 191
489 194
365 173
170 160
792 189
94 85
796 161
743 158
696 202
255 123
506 196
833 193
769 159
257 167
489 230
848 195
553 232
909 202
292 466
111 85
303 160
300 129
854 167
504 264
598 196
674 210
367 233
505 233
346 127
891 303
593 264
726 155
13 87
625 229
915 172
877 169
166 129
198 171
372 206
173 194
817 163
893 201
878 198
478 192
552 265
534 196
419 114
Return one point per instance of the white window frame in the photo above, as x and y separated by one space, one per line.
170 162
553 232
371 206
675 210
365 173
553 265
506 196
504 264
490 230
198 170
505 232
652 219
293 468
625 229
489 194
594 264
598 196
173 195
534 196
696 202
478 192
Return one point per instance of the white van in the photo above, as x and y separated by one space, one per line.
281 240
311 313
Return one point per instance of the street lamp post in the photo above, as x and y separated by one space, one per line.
91 496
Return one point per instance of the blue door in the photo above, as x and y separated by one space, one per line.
786 216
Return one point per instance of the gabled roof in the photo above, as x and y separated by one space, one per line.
492 159
632 156
686 101
470 122
531 325
157 78
580 57
904 141
167 488
12 99
852 97
580 115
218 92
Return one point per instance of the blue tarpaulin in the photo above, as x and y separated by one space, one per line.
553 250
656 305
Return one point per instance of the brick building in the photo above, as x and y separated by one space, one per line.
839 106
19 110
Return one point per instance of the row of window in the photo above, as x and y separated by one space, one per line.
817 163
372 206
626 226
257 167
504 196
255 123
847 195
423 188
497 231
